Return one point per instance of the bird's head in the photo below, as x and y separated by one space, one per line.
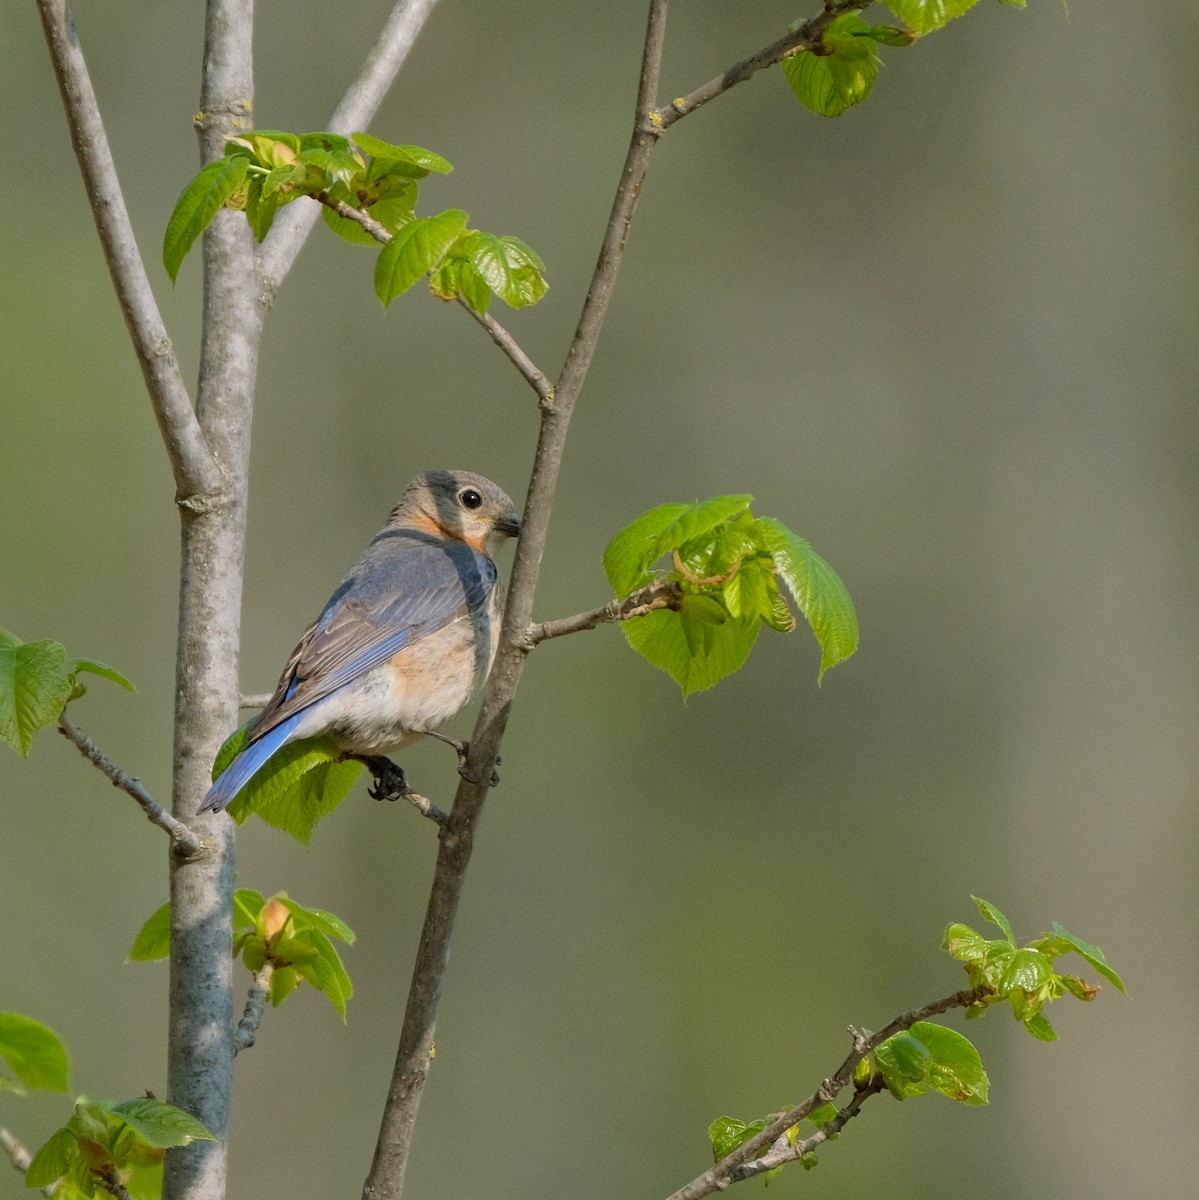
460 505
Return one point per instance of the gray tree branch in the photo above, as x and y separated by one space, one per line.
386 1177
354 113
661 593
735 1166
186 841
251 1017
197 477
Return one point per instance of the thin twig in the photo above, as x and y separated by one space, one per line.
197 478
186 840
251 1018
357 107
806 37
718 1177
386 1177
532 374
660 594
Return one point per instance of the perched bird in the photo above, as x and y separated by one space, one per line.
405 637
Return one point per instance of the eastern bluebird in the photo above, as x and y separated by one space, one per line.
404 638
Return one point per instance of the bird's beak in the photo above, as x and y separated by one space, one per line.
508 525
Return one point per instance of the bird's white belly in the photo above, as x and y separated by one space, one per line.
396 702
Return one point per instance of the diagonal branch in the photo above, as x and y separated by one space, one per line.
386 1177
357 106
197 477
503 339
662 593
735 1166
187 841
806 37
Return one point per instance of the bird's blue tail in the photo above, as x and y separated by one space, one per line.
246 765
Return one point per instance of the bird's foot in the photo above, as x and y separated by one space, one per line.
390 782
462 749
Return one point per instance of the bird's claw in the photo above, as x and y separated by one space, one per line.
390 782
462 753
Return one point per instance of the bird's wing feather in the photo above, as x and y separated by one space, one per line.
402 589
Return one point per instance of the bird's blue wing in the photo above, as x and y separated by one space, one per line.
405 587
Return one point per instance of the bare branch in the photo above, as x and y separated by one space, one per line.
251 1018
254 700
747 1160
806 37
197 477
16 1150
187 841
659 594
355 111
386 1177
519 359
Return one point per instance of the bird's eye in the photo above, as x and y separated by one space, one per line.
470 498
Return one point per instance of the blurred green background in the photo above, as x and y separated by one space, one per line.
948 337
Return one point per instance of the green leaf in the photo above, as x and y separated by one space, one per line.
271 148
326 973
91 666
662 639
33 1053
510 268
1092 954
926 15
632 551
260 208
300 783
930 1057
247 905
887 35
1039 1027
697 521
822 598
35 685
828 84
416 156
153 941
414 251
728 1134
333 156
992 914
200 201
1028 970
965 944
956 1070
53 1160
822 1115
161 1125
317 918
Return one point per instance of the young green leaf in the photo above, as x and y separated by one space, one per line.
992 914
512 270
317 918
415 250
631 553
200 201
728 1134
827 84
662 639
33 1053
416 156
822 598
930 1057
161 1125
35 685
1092 954
301 783
153 941
926 15
887 35
53 1160
92 667
697 521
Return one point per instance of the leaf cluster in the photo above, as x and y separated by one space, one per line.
106 1147
929 1057
37 681
1024 976
727 564
295 940
378 183
840 71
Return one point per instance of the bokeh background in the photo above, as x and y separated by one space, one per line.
949 337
